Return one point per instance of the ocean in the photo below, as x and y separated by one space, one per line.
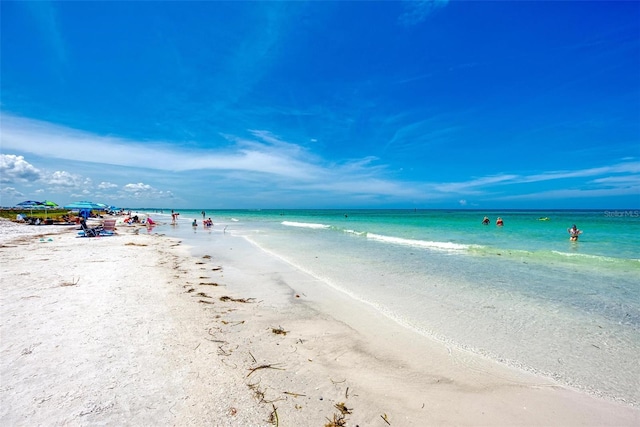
522 294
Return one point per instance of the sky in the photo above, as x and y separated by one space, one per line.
321 104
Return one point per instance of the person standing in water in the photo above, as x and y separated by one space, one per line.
574 232
485 221
499 222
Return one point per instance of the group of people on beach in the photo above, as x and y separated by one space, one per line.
573 231
206 223
499 221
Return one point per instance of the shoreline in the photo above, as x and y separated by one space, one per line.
134 329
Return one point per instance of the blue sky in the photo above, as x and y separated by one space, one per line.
321 104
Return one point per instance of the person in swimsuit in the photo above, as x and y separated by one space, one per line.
485 221
499 222
574 232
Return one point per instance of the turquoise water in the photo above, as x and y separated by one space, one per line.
522 294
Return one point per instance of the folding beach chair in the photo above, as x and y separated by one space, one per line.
89 232
108 227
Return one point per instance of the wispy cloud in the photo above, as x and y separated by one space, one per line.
625 167
475 186
261 157
573 193
263 162
44 13
417 11
617 179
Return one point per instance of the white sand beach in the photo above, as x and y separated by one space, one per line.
134 330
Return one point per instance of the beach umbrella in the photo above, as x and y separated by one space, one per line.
30 204
48 204
83 205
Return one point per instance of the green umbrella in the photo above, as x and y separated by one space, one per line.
48 204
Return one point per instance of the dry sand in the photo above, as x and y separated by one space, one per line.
133 330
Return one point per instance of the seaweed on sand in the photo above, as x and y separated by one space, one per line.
202 294
339 420
244 300
273 417
279 331
266 366
71 283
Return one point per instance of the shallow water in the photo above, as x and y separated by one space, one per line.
522 294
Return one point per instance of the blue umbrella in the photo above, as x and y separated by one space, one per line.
30 204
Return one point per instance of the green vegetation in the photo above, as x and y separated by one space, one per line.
54 214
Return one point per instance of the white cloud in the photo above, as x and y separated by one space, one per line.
10 192
140 191
16 169
137 187
104 185
63 179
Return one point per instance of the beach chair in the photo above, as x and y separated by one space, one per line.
88 232
108 227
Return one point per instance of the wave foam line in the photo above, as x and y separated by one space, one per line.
594 257
304 224
443 246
